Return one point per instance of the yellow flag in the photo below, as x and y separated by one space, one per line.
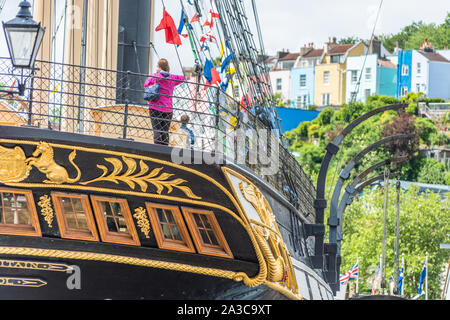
222 50
56 89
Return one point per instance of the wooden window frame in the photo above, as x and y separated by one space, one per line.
33 230
186 245
114 237
222 250
69 233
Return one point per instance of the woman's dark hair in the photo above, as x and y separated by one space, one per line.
164 65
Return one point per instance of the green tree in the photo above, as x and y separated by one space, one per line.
424 222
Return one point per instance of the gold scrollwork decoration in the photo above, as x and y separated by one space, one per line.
46 209
142 178
34 265
142 221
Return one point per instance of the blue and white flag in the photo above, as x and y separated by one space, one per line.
423 274
401 276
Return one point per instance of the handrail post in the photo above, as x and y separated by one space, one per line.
125 116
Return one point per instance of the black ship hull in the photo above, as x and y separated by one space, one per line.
256 250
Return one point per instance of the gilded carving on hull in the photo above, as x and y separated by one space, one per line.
47 165
142 221
34 265
266 233
13 166
134 177
46 209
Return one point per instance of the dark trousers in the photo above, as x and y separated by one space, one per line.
161 125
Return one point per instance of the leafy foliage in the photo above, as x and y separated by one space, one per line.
424 221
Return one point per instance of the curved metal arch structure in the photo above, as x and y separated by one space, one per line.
317 230
332 252
355 187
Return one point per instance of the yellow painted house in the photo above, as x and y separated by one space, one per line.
330 74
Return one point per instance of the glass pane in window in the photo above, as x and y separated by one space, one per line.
117 209
111 224
176 233
67 204
169 216
204 236
213 238
77 204
71 220
122 225
161 215
24 217
166 231
82 221
9 216
106 208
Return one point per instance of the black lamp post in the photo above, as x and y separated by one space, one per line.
24 38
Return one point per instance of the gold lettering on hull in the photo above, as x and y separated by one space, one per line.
21 282
33 265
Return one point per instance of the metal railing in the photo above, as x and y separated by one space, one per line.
108 103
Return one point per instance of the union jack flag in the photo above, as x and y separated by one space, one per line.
350 275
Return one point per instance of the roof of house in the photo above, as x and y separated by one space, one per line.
386 64
433 56
314 53
340 48
290 56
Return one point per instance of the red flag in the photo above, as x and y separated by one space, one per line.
12 86
195 19
207 36
169 26
215 78
214 15
206 24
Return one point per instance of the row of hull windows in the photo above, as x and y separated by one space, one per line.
110 219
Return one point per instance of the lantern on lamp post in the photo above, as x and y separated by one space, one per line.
24 38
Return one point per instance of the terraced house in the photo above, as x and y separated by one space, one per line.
303 76
330 74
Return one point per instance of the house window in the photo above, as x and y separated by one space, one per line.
404 91
405 70
326 78
206 232
74 216
354 76
325 99
170 230
336 59
419 68
114 220
279 84
302 101
418 87
367 93
368 73
18 213
303 80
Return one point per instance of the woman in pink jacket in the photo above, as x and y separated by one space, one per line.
161 110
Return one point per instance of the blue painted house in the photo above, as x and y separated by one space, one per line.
404 73
303 77
425 71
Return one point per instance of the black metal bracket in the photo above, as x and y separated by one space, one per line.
313 230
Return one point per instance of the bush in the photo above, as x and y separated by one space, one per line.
326 116
432 172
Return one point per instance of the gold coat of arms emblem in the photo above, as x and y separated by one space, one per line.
13 166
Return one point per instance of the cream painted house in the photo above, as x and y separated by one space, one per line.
330 74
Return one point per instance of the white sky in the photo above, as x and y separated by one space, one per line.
290 24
